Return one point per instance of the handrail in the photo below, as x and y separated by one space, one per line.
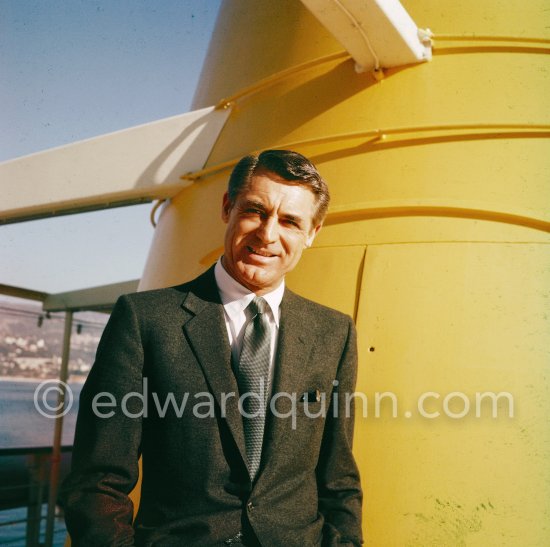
488 38
279 76
226 102
24 450
29 494
378 134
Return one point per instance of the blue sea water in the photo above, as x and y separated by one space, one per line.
22 425
14 535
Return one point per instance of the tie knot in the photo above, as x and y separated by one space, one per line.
258 305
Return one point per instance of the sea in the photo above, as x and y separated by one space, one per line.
22 425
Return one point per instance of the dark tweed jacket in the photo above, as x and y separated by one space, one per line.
195 489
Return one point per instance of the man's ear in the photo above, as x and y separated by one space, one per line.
226 207
312 234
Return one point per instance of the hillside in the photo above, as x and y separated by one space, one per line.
31 342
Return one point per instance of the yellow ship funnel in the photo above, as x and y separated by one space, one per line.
437 242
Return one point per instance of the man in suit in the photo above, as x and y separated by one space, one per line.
232 390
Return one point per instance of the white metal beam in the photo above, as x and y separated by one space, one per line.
20 292
137 164
377 33
95 298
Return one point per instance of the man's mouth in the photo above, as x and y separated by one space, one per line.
259 252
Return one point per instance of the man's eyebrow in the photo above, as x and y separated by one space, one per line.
295 218
253 203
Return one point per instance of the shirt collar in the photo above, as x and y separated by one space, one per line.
235 297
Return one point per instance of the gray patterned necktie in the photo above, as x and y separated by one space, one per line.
253 381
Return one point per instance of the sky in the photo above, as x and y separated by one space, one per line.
74 69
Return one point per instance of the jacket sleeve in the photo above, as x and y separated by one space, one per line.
107 439
338 481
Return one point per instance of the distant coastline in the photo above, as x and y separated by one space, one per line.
31 343
72 379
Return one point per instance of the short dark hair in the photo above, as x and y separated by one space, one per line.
288 165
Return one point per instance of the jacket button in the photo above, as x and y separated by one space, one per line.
250 506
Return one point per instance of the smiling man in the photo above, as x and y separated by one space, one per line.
270 219
269 462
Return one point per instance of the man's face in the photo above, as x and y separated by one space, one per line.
268 227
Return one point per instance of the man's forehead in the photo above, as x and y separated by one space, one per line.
260 184
298 201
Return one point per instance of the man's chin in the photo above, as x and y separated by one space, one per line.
257 277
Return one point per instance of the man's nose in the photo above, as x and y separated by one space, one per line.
268 230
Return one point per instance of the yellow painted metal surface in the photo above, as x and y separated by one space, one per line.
331 275
464 319
437 241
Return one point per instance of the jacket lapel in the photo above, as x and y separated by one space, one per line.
207 335
291 366
293 348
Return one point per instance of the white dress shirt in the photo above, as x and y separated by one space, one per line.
235 299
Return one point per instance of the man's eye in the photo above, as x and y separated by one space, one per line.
291 222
